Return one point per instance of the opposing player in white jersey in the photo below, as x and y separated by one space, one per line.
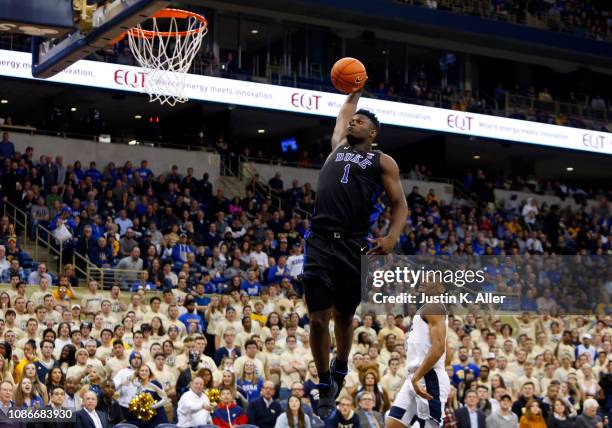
423 396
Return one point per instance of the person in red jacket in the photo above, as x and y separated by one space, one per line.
228 414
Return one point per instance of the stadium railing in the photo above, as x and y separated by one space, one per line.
248 174
18 217
45 242
105 277
465 193
516 102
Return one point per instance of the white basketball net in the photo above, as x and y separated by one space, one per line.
166 60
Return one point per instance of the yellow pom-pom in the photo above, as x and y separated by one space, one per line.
141 406
213 395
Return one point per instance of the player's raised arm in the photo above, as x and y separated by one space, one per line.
347 111
437 335
399 209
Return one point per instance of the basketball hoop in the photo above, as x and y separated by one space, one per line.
166 56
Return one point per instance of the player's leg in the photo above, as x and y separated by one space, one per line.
348 296
403 412
394 423
343 331
344 311
320 342
319 289
320 346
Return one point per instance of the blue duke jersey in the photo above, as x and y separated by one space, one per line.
349 186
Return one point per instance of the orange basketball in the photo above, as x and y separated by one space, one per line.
348 75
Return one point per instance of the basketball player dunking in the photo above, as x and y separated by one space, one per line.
424 393
350 182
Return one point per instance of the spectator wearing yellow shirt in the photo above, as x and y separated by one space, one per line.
29 352
63 296
258 314
514 226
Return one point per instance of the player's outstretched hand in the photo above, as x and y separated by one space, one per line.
419 390
382 245
355 90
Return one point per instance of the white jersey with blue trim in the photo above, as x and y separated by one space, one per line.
418 344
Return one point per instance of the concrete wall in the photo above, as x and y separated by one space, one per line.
160 159
266 171
443 191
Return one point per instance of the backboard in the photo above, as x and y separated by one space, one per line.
94 25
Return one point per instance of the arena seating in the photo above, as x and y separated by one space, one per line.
583 18
179 241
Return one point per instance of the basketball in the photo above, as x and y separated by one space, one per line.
348 75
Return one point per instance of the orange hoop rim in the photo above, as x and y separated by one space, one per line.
171 13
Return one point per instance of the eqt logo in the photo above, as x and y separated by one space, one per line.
594 141
463 123
135 79
309 102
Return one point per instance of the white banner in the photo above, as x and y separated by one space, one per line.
228 91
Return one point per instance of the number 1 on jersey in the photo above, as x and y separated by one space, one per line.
344 178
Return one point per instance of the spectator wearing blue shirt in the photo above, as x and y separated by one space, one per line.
29 400
78 171
249 382
92 172
251 285
211 238
102 254
343 416
7 148
529 300
97 228
14 274
228 349
586 347
200 297
460 369
209 286
143 283
123 222
65 217
191 314
277 272
144 172
479 245
181 249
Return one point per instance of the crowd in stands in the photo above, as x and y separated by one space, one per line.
215 303
586 18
